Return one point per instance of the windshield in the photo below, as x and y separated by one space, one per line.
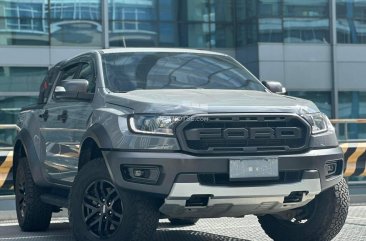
125 72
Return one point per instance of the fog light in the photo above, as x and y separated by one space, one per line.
144 173
140 174
333 168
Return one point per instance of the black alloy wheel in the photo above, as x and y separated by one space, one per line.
102 209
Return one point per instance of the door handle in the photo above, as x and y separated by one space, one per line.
44 116
63 116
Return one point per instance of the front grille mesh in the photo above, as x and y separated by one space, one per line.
234 134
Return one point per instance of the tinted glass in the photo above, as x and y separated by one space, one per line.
10 107
87 72
24 22
133 34
196 10
75 22
21 79
306 21
308 8
130 71
351 21
352 105
132 10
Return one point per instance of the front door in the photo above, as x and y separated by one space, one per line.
67 120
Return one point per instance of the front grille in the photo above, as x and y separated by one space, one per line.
223 179
238 134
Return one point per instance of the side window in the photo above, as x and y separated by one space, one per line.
46 86
87 72
69 72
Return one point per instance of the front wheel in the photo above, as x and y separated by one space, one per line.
101 211
320 220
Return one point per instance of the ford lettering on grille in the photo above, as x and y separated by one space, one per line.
245 134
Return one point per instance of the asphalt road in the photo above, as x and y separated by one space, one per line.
223 229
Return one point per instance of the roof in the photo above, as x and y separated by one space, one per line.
164 50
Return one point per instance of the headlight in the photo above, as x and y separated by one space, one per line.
319 122
152 124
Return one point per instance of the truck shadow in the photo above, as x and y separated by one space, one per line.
184 235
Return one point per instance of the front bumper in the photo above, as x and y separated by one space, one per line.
183 168
178 182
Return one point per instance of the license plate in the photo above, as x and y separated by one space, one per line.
254 168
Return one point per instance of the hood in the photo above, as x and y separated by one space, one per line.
200 101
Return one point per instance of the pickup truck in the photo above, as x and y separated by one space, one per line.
124 137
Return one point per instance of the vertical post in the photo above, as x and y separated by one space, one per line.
105 24
333 44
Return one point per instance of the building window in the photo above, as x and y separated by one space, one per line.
351 21
352 105
289 21
75 22
21 79
306 21
24 23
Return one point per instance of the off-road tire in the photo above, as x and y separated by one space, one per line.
329 215
33 215
140 216
183 221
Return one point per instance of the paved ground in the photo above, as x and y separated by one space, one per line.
223 229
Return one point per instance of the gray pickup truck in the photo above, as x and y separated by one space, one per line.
124 137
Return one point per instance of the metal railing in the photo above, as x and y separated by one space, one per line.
346 123
9 127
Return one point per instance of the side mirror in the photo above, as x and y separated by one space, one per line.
71 89
275 87
75 85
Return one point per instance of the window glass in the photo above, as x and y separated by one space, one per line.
270 30
196 10
24 22
247 33
306 30
221 10
351 21
75 22
168 10
168 35
46 86
87 72
221 35
269 8
194 35
352 105
69 73
21 79
132 10
133 34
308 8
10 107
126 72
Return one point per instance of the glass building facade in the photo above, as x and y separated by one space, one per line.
232 26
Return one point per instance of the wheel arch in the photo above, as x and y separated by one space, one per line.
24 147
89 150
94 141
18 153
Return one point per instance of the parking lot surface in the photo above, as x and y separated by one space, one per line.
223 229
